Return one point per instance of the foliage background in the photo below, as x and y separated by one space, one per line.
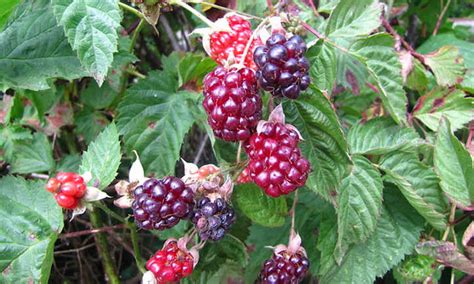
386 122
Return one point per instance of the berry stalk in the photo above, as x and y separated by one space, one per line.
249 43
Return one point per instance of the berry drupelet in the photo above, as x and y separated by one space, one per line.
68 189
232 102
282 68
161 203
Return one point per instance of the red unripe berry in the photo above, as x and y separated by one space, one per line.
170 264
227 45
53 185
69 188
66 201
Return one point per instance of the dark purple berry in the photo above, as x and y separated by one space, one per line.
282 68
161 204
213 218
284 268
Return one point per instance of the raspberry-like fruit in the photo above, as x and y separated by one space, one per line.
161 203
282 68
225 45
170 264
284 268
232 102
275 161
213 218
68 189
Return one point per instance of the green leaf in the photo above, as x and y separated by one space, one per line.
98 97
102 157
43 100
350 21
91 28
193 67
154 118
417 78
359 205
419 184
7 8
31 221
34 155
228 250
452 104
324 144
259 207
396 235
322 60
380 136
69 163
453 164
376 52
447 65
435 42
11 135
90 123
35 50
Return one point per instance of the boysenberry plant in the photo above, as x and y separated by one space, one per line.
266 141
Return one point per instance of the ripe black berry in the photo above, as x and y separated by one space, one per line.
161 203
284 268
232 102
282 68
213 218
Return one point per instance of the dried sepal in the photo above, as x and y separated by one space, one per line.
149 278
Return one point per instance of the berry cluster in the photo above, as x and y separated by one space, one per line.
275 161
284 268
232 102
161 203
68 189
231 44
171 263
213 218
282 68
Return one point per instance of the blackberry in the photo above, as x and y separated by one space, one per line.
232 102
275 161
171 264
161 203
281 67
213 218
284 268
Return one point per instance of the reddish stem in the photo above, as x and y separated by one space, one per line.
91 231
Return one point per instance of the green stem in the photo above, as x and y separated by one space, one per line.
101 241
131 10
193 11
70 142
110 212
136 249
135 35
223 8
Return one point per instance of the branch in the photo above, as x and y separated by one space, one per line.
91 231
101 241
440 18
